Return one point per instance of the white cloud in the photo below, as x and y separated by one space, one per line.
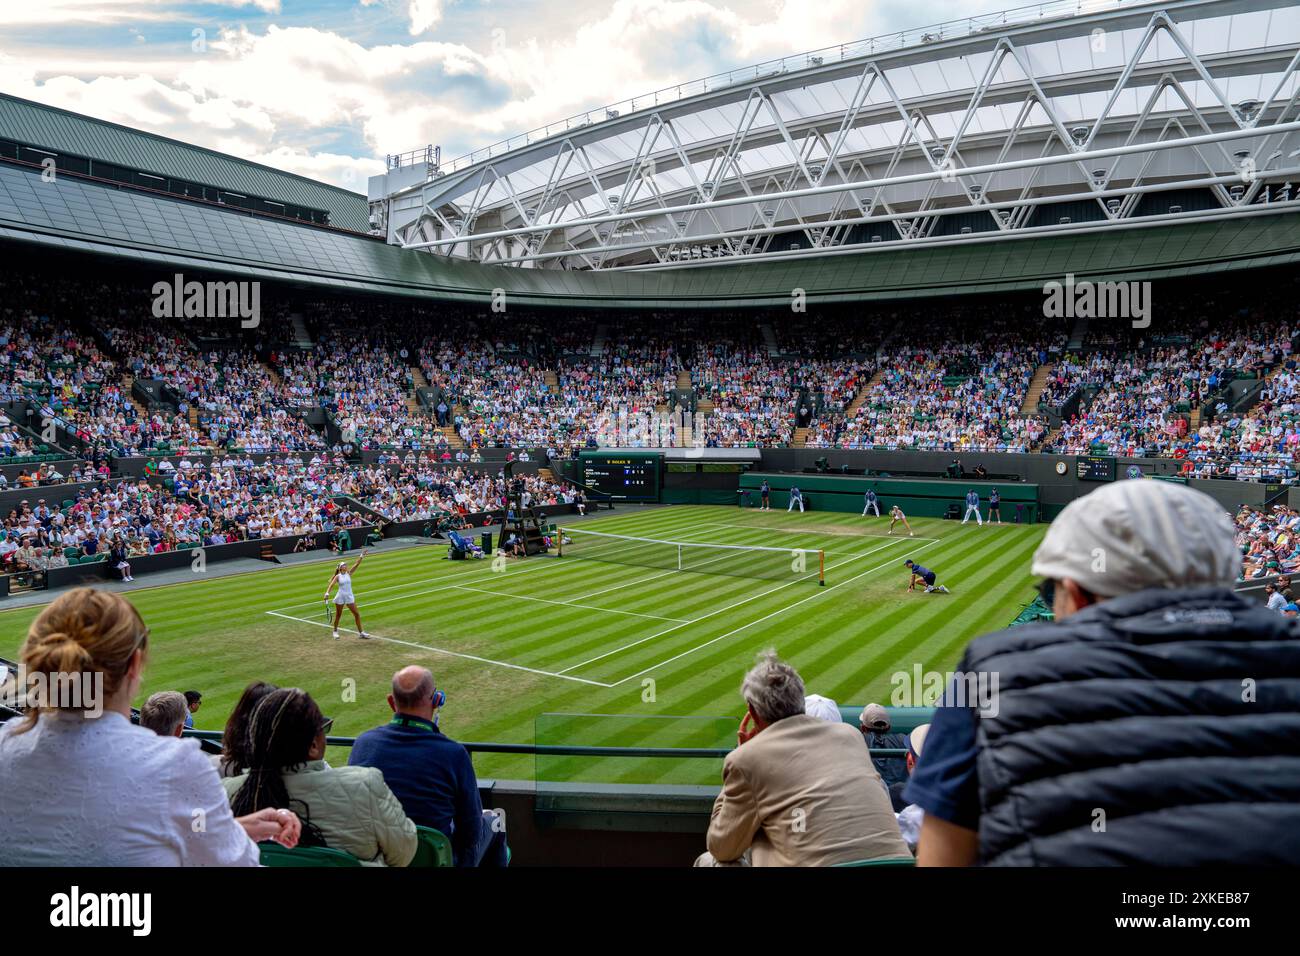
424 15
301 98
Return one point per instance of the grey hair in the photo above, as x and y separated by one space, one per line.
773 688
163 712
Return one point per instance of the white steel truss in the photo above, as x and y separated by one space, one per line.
1142 112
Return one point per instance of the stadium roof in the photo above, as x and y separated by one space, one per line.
960 128
158 232
63 132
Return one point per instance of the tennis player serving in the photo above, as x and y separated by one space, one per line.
343 597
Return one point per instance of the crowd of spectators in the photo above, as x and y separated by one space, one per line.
963 396
431 490
1269 540
120 788
578 382
200 502
1141 399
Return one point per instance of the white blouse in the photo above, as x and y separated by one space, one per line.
78 791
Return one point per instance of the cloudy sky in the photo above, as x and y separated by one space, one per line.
327 87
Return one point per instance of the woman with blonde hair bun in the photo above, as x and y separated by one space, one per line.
86 787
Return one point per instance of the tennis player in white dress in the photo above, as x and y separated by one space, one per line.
343 596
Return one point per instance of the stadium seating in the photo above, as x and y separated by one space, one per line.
272 854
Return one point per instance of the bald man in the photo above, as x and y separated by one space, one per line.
429 773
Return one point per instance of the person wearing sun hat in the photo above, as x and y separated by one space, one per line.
1158 695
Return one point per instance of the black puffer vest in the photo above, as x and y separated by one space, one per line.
1160 728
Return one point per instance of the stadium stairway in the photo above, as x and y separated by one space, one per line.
1050 437
1077 335
128 380
598 345
552 380
1036 386
301 337
800 438
272 373
860 399
683 379
454 440
769 339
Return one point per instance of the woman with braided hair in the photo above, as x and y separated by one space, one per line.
92 788
344 808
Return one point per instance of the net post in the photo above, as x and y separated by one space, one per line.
559 541
821 569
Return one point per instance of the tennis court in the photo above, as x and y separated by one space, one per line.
620 633
613 605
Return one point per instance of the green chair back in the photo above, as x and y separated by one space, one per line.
311 856
434 848
888 861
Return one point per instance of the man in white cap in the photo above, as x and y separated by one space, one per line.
823 708
910 817
1153 723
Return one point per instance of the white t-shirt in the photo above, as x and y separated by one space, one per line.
909 825
103 792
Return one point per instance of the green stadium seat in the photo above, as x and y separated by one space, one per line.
70 554
888 861
434 849
308 856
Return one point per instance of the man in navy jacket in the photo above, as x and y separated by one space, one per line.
429 773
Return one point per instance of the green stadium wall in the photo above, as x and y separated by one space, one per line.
922 498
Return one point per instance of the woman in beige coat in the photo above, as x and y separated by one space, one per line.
344 808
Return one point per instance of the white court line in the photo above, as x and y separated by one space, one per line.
441 650
728 607
760 620
407 584
471 573
588 607
842 534
442 577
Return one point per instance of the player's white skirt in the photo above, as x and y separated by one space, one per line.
343 597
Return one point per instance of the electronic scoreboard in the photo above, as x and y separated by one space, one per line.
623 475
1096 468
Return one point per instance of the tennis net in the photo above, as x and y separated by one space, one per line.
736 560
